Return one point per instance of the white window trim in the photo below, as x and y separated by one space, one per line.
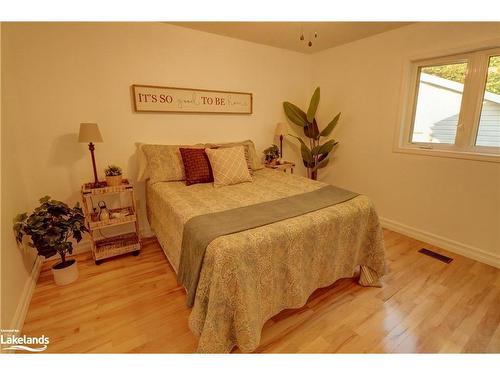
464 147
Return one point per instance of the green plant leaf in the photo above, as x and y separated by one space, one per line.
315 150
305 152
313 105
44 199
295 114
326 147
329 128
321 164
20 217
312 130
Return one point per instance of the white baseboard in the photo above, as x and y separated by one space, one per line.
24 303
443 242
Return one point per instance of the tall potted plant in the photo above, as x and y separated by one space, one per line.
314 155
51 227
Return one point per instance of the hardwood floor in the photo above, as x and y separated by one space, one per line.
133 304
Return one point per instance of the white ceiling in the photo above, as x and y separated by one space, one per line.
287 34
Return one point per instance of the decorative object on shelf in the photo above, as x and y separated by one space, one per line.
282 166
89 133
315 155
51 226
108 247
103 211
113 175
177 99
281 131
119 213
271 154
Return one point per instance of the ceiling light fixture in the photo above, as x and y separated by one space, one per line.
302 38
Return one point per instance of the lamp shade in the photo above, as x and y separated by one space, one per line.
89 132
281 129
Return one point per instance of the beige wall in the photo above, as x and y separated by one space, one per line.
58 75
16 264
451 198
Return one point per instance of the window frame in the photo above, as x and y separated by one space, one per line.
470 109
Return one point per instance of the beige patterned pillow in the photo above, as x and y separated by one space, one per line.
228 165
164 162
254 160
247 155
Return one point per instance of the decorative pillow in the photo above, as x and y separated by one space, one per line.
165 162
254 160
229 166
196 166
247 157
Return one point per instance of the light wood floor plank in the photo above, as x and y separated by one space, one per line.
134 305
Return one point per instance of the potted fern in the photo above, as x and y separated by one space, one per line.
113 175
51 227
314 155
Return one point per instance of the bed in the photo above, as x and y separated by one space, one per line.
250 276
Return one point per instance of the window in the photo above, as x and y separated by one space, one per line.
489 121
452 106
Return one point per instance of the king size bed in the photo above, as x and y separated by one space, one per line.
249 276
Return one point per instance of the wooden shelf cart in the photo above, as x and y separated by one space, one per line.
108 247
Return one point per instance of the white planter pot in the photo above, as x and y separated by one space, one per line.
66 275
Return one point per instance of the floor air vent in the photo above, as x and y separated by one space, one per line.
435 255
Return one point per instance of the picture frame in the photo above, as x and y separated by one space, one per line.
148 98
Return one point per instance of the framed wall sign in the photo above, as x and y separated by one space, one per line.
176 99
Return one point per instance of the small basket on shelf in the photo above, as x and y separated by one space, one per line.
116 245
113 175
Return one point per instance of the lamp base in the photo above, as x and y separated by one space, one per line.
281 146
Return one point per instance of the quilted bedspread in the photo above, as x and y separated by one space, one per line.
250 276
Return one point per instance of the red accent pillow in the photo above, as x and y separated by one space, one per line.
196 165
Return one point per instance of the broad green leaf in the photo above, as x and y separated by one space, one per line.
321 164
309 164
313 106
327 146
304 150
315 150
295 114
323 157
329 128
311 130
299 139
306 153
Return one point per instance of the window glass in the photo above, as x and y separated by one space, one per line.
489 122
438 103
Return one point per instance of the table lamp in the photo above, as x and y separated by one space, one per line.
281 131
89 133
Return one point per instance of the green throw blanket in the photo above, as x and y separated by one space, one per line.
200 230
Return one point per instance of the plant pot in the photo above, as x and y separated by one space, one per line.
114 180
65 273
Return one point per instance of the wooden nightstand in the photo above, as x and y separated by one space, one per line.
107 247
282 167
